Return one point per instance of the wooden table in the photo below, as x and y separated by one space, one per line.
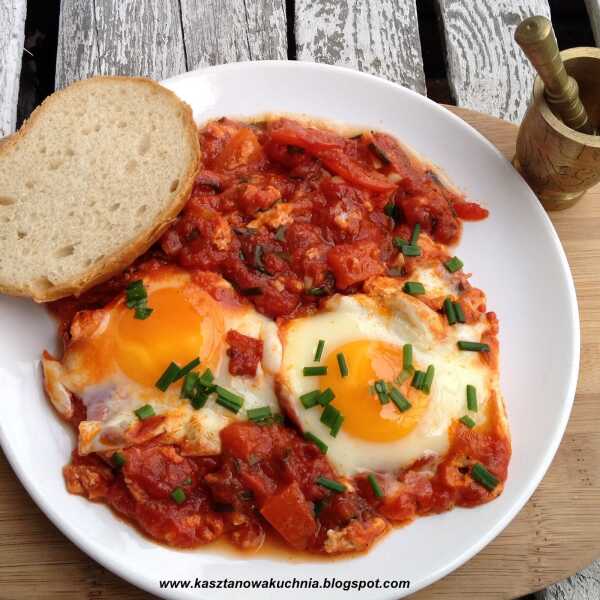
557 532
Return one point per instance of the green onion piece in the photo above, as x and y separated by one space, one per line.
473 346
206 378
454 264
280 234
400 242
415 234
466 420
458 311
326 397
317 291
471 397
414 288
341 360
278 418
199 398
375 486
188 385
450 312
418 380
402 404
168 377
320 444
178 495
330 484
381 391
142 312
229 396
135 292
118 459
390 210
310 399
234 407
259 414
410 250
481 475
144 412
187 368
428 380
314 371
407 356
319 350
329 415
335 428
258 262
405 374
251 291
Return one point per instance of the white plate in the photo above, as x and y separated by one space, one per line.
516 258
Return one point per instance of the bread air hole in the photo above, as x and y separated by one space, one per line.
21 234
174 185
65 251
7 200
142 209
115 206
144 144
54 164
131 166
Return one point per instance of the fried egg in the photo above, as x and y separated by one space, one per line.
371 330
113 361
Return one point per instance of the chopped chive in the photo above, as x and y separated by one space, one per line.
390 209
453 264
375 486
135 292
319 350
142 312
335 428
418 380
188 385
168 377
329 415
413 287
341 360
278 418
326 397
473 346
187 368
405 374
428 380
450 312
144 412
259 414
379 153
258 259
415 234
381 391
178 495
199 398
234 407
314 371
229 396
118 459
466 420
407 356
206 378
330 484
317 291
471 397
458 311
481 475
251 291
400 242
410 250
402 404
280 234
310 399
321 445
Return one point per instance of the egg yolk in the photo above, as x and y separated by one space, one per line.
364 416
175 332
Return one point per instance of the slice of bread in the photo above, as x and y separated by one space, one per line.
89 182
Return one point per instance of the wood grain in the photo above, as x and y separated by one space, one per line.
593 8
119 37
12 31
377 36
556 533
486 69
223 31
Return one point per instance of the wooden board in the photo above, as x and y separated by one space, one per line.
12 30
377 36
557 532
486 69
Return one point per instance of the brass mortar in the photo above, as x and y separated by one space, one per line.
559 163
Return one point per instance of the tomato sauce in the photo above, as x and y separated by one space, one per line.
290 214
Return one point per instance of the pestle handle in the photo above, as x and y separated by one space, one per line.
536 37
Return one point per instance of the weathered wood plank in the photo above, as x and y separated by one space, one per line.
223 31
593 8
119 37
487 71
12 31
376 36
584 585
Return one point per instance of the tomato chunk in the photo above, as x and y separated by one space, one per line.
286 131
353 263
244 353
291 515
470 211
243 148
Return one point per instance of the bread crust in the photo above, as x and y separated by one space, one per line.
116 262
